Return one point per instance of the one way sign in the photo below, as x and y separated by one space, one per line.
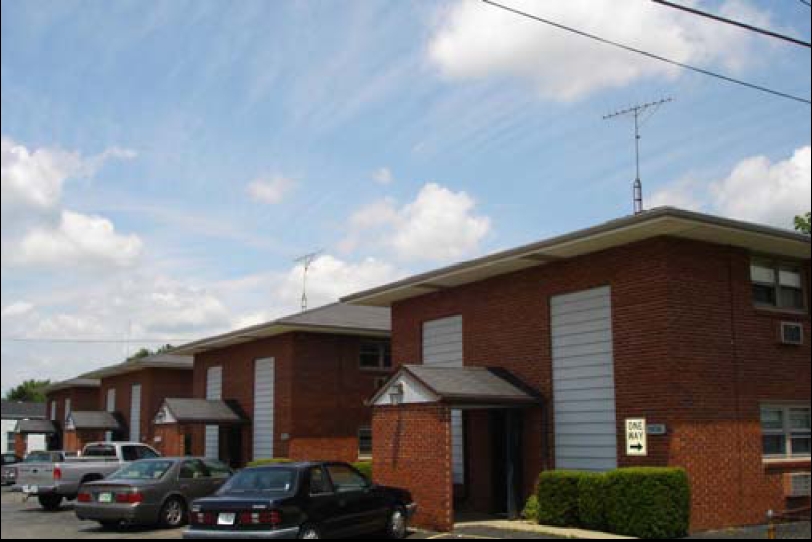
636 438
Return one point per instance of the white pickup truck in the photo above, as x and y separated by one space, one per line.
52 483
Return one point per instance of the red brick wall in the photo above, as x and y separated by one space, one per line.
412 449
317 376
75 441
156 385
170 441
81 399
679 308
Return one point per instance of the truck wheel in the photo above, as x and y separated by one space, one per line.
51 503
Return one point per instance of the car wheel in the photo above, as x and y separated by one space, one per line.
173 514
398 526
51 503
309 532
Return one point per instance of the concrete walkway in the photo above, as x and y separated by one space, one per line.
526 529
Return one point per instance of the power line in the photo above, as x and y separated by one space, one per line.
87 341
628 48
725 20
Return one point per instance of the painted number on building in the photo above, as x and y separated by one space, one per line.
636 438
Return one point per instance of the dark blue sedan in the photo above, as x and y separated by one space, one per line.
301 500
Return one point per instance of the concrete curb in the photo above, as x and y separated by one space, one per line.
527 527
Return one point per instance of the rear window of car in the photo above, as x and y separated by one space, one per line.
40 457
144 471
268 480
100 451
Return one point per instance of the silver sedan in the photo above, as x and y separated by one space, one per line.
151 492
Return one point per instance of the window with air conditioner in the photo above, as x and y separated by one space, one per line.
785 432
792 334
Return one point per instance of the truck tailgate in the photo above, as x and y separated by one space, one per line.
35 474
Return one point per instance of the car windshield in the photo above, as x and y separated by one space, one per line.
144 471
268 480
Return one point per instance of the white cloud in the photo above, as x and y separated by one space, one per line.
35 179
271 191
474 41
16 310
438 226
77 240
757 190
384 176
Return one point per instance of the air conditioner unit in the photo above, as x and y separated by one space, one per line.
792 334
797 485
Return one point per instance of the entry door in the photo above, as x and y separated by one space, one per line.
214 392
443 347
264 393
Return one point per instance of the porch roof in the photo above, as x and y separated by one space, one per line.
199 411
461 386
36 427
92 420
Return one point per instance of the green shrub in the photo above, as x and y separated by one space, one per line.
267 462
365 468
531 509
648 502
592 502
558 498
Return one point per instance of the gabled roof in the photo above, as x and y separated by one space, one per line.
461 386
92 420
661 222
78 382
339 319
13 410
36 427
199 411
158 361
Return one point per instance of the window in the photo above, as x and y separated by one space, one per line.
137 453
376 355
217 470
777 285
11 441
318 482
345 479
193 470
785 432
365 443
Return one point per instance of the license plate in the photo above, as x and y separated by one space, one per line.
227 520
105 498
30 490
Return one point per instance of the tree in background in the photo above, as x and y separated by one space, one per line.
802 223
146 352
30 391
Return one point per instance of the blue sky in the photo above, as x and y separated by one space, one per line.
165 163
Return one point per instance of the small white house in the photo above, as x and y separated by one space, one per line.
12 414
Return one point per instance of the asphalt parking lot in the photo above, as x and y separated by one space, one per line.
28 521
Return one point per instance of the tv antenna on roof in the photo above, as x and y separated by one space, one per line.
637 112
307 262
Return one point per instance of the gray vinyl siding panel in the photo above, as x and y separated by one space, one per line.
443 347
214 392
584 381
264 392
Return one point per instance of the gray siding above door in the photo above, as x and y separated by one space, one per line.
584 381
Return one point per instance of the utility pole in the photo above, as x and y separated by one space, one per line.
637 112
306 261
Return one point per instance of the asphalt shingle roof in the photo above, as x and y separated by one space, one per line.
83 420
12 410
203 411
36 427
470 383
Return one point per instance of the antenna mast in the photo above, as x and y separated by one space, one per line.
637 112
306 261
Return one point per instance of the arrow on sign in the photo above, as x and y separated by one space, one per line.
638 447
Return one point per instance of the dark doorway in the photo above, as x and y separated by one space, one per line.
506 439
231 446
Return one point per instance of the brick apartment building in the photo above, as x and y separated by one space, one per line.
535 358
291 388
62 398
133 392
24 428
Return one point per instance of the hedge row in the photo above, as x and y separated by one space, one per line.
364 467
637 502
